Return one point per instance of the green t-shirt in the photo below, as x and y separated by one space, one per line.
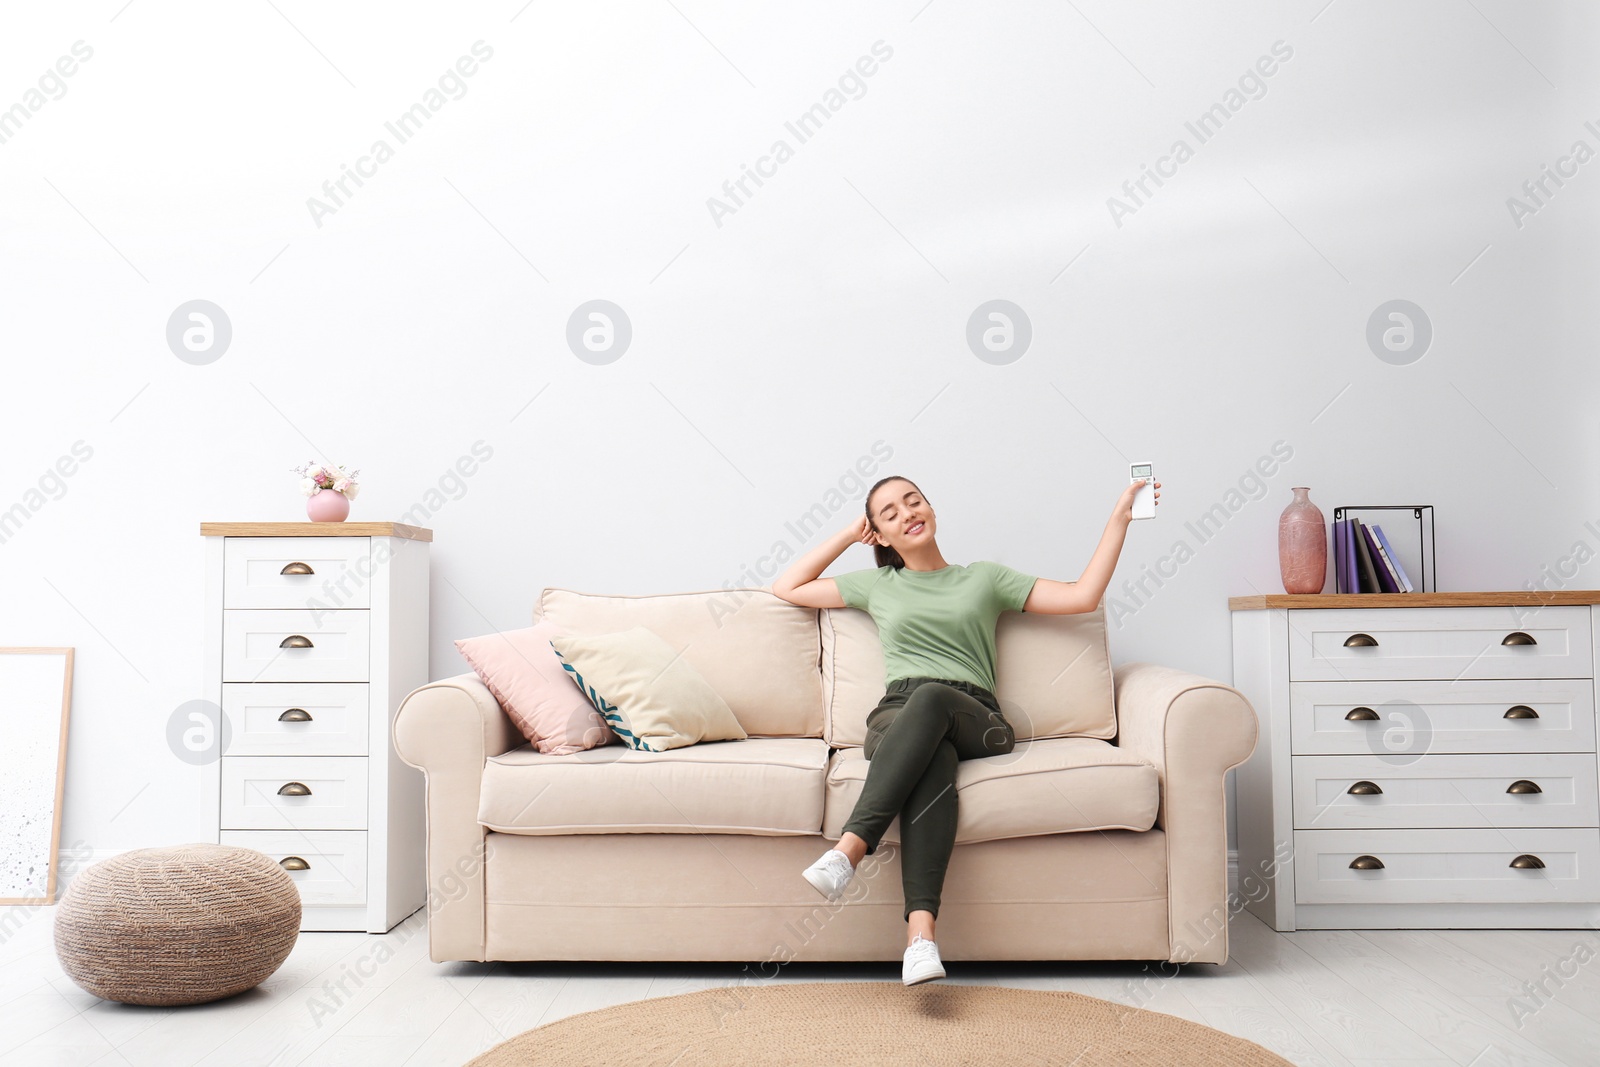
937 624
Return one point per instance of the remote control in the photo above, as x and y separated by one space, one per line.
1144 501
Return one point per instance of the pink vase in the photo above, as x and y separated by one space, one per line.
1302 545
328 505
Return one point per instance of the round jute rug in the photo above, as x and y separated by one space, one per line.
876 1023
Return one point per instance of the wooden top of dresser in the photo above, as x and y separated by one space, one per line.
315 529
1509 598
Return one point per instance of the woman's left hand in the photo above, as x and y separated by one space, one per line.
1124 508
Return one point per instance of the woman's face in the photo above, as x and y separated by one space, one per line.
901 517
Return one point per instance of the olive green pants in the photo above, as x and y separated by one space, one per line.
915 736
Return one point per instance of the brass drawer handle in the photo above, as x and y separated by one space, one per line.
295 641
1525 862
1366 863
1361 641
294 863
295 715
294 789
1522 785
1520 711
1360 715
1517 637
1365 789
297 568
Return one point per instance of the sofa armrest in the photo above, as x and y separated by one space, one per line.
447 729
450 720
1193 731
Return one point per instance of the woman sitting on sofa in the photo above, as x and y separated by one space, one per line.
936 623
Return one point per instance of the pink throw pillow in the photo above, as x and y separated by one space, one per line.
537 692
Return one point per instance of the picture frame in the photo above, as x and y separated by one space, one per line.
35 709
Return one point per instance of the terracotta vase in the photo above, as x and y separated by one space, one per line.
1302 545
328 505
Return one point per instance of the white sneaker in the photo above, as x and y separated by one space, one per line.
831 873
922 962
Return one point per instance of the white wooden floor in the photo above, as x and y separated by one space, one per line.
1315 997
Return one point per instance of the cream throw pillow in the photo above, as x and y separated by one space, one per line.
650 697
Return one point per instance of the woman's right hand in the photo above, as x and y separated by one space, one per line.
861 530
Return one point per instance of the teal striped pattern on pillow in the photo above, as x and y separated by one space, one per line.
603 706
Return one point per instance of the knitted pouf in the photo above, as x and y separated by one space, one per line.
178 925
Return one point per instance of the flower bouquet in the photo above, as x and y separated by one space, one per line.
329 490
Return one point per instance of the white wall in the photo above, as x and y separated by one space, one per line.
1226 314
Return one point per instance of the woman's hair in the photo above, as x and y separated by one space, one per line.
886 556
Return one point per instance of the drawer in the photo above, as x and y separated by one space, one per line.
334 797
296 572
1547 715
1447 866
259 646
1446 791
329 866
1449 643
296 718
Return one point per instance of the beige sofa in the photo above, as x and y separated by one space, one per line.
1105 844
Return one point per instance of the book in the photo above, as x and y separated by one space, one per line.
1369 573
1394 561
1351 573
1340 578
1387 581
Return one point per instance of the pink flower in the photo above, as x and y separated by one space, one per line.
319 476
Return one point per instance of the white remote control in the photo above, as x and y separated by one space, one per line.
1144 501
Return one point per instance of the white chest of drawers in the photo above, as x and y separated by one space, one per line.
314 634
1425 760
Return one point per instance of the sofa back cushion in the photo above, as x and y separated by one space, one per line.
1053 674
761 654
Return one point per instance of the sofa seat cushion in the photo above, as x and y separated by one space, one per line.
761 785
1052 786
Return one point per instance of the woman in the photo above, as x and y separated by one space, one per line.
936 622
